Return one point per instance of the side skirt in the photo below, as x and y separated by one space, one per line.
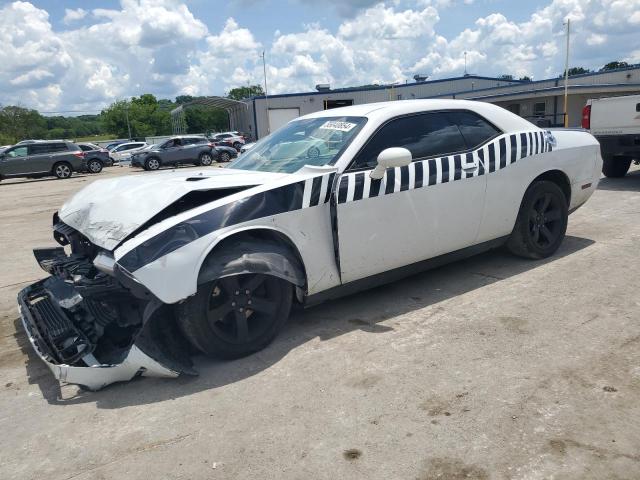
401 272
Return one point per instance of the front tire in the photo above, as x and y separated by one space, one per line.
152 164
205 159
62 170
542 221
235 316
616 166
94 166
225 157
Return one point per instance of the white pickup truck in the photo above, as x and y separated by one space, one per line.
615 122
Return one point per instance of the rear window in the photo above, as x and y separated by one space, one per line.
193 140
475 129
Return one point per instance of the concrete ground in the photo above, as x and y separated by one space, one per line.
490 368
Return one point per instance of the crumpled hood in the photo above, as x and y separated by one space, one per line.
108 211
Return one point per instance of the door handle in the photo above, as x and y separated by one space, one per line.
470 166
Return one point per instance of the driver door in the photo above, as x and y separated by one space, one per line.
14 161
431 207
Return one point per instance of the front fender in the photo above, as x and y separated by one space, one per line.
175 276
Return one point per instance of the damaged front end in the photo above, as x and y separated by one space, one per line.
92 323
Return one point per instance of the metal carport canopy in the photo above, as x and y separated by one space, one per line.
233 108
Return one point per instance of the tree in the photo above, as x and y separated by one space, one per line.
17 123
146 117
202 119
576 71
240 93
614 65
526 78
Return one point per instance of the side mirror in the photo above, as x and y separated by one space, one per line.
390 158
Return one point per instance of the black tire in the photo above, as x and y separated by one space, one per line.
152 164
225 157
62 170
94 166
237 146
541 223
205 159
615 166
212 320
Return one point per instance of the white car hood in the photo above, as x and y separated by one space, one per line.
108 211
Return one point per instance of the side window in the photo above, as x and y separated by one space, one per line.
86 148
17 152
424 135
475 129
38 149
57 147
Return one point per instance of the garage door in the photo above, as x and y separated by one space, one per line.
281 116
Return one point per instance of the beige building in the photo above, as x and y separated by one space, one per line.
541 102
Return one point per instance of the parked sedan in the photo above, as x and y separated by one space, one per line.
216 258
226 154
179 150
96 157
122 153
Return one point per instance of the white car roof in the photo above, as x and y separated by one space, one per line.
500 117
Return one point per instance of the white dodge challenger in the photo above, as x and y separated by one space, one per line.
152 267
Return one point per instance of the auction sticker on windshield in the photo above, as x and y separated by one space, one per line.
336 125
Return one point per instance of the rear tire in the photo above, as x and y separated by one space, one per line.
62 170
222 320
542 221
616 166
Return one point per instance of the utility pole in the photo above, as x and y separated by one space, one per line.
126 112
266 92
465 64
566 78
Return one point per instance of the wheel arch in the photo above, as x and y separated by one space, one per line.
255 249
559 178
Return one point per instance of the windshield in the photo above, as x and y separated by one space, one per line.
313 141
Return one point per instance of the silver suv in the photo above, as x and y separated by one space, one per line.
187 149
41 159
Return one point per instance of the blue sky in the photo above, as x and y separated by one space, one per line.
61 55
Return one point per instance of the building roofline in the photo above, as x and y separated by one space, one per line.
540 90
387 87
479 77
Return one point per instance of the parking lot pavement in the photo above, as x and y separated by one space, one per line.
490 368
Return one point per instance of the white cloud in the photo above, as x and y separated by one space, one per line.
71 15
159 46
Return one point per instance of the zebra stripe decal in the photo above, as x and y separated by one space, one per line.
496 155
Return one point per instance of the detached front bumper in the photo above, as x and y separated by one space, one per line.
45 321
88 328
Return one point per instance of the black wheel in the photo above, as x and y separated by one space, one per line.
616 166
62 170
152 164
206 159
235 316
225 157
94 166
237 146
313 152
541 223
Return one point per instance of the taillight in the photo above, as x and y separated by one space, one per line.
211 145
79 154
586 117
